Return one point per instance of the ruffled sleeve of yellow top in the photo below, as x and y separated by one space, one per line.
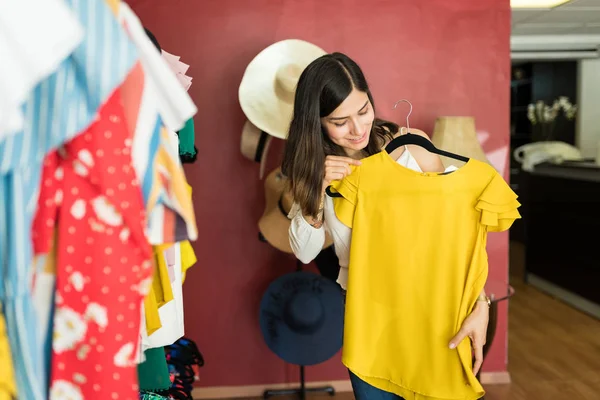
498 205
8 389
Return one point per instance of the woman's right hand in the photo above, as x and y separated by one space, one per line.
336 168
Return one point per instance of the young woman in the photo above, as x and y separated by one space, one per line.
334 126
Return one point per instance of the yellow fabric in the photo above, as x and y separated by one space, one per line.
8 388
161 291
161 284
188 257
417 264
151 314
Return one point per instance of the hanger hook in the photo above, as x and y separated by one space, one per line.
409 112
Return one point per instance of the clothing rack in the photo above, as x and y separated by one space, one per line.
86 122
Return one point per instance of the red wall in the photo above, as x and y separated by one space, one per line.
449 57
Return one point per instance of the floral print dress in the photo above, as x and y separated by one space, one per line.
90 191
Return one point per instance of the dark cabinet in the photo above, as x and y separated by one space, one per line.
531 82
562 230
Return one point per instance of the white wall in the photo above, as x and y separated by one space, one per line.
588 121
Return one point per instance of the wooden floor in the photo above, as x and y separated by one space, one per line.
554 350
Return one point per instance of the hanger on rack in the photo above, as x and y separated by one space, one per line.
153 39
409 138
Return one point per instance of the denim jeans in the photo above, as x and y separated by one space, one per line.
364 391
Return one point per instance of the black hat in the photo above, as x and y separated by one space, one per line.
302 318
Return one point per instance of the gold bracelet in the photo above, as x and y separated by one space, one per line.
485 298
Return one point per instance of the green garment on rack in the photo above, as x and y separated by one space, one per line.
146 395
187 149
153 373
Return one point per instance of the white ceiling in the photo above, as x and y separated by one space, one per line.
577 17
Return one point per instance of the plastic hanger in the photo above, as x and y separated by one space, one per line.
409 138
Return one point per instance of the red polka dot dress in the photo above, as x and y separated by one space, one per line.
103 264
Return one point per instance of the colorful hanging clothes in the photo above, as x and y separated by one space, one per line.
63 105
59 108
164 277
417 265
171 216
91 193
184 361
171 314
29 57
156 105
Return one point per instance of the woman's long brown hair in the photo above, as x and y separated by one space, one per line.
322 87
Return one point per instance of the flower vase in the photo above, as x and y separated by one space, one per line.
542 132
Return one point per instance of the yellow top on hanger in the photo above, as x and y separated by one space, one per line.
418 262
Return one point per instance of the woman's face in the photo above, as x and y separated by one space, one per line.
349 125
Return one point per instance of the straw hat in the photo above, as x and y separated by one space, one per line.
254 145
457 134
274 223
268 87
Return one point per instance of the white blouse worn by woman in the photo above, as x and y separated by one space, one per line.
307 241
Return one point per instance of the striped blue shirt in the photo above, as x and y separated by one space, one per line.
58 109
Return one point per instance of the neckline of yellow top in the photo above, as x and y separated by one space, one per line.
438 175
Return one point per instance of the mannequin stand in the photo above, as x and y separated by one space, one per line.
302 390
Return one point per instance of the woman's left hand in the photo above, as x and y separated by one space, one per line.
475 327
